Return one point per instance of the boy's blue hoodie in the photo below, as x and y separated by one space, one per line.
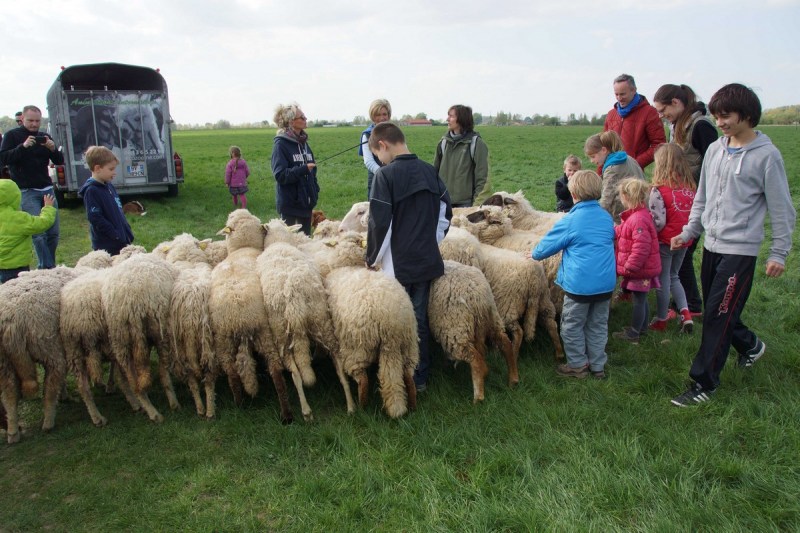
108 228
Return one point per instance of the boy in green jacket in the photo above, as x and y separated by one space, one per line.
16 229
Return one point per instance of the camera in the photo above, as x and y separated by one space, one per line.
41 139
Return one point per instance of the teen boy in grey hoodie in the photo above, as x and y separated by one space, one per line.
742 179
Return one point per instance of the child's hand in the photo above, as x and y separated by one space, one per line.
774 269
676 243
526 255
48 200
311 166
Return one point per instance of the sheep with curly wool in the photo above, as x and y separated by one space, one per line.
327 229
297 311
374 322
522 214
461 246
135 299
492 226
519 285
193 358
345 250
30 306
463 315
239 319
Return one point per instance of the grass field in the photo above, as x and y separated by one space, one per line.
552 454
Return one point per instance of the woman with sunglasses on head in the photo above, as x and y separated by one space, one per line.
296 187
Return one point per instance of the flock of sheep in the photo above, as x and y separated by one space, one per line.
270 294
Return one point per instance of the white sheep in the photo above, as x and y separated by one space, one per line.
492 226
374 321
84 334
326 229
522 214
238 315
297 310
462 316
29 334
356 219
136 302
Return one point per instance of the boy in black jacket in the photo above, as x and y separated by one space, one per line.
409 214
108 228
564 200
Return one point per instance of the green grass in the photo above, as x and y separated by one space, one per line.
553 454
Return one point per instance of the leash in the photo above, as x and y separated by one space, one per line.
340 153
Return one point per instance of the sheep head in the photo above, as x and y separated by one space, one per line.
357 219
243 230
488 224
276 230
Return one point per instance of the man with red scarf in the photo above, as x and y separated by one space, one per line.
635 120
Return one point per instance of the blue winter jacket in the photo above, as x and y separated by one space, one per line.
586 236
296 189
108 228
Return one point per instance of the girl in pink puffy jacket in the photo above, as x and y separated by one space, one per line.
638 260
236 174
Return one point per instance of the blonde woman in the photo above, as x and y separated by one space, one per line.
380 110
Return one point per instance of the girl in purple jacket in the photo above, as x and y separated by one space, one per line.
638 260
236 174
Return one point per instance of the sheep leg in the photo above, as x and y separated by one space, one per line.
85 391
164 376
552 330
504 344
53 382
479 371
298 384
348 396
10 398
110 385
211 398
149 408
362 379
194 387
283 397
411 389
125 387
516 338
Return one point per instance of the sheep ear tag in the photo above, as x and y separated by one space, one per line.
224 231
364 243
331 243
204 244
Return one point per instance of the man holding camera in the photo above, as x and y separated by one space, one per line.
28 153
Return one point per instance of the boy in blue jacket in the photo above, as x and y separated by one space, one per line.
108 228
588 273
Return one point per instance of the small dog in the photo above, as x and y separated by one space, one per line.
134 207
317 216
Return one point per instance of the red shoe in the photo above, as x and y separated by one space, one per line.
687 325
658 325
671 314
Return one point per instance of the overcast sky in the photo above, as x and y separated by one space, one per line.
238 59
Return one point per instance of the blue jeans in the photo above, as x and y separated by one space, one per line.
44 243
584 333
11 273
671 261
419 292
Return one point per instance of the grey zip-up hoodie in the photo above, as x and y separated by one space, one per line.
734 195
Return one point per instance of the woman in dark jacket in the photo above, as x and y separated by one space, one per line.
296 187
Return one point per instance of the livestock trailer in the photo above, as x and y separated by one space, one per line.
124 108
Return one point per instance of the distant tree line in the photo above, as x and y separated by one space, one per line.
786 115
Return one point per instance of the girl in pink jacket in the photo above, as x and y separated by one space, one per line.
236 174
638 261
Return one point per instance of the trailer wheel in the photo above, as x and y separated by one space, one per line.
172 190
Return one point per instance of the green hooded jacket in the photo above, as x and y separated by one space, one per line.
17 227
466 178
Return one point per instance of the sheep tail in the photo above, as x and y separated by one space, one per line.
246 368
531 316
391 378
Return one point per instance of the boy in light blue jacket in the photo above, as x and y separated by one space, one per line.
588 273
742 180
